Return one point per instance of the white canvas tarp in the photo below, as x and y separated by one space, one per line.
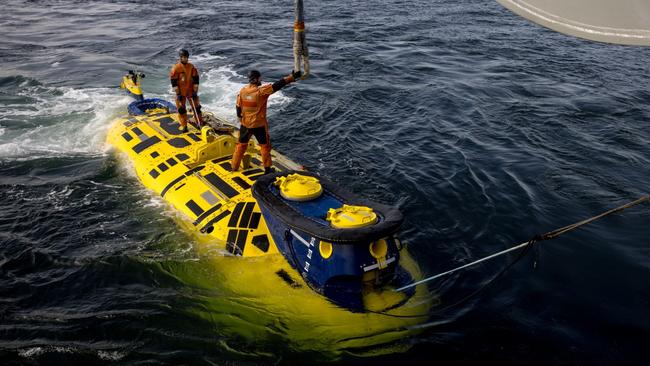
613 21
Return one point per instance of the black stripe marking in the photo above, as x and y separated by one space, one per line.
155 154
254 177
163 167
235 214
127 136
207 213
171 161
241 182
223 158
281 167
173 183
182 157
230 242
169 125
154 173
255 220
146 144
253 171
226 166
257 162
178 142
187 174
194 137
137 131
194 170
196 209
221 185
241 241
262 242
215 220
246 216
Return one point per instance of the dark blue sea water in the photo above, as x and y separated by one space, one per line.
484 129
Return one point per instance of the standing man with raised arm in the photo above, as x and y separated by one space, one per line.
251 110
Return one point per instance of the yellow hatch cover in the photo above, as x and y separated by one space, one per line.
351 217
297 187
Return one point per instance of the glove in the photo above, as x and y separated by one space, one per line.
296 74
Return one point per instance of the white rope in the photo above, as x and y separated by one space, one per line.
465 266
550 235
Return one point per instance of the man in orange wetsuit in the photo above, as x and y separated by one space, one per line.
185 81
251 110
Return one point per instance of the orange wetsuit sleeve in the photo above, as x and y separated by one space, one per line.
195 75
266 89
173 76
238 106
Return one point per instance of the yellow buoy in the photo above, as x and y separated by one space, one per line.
379 248
297 187
325 249
351 217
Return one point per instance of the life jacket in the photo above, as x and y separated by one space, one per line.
252 100
185 75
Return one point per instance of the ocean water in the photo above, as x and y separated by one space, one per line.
484 129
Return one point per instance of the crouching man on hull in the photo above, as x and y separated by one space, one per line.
185 81
251 110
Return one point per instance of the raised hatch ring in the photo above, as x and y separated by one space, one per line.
351 217
297 187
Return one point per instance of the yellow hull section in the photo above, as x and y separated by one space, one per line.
260 295
194 176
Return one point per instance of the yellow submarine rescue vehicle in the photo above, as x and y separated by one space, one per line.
131 84
296 248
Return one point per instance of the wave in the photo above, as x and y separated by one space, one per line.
44 121
40 121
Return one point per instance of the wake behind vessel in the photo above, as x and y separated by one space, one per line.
341 260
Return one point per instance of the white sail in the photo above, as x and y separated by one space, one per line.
612 21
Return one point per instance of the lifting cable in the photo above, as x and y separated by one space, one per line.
300 51
537 238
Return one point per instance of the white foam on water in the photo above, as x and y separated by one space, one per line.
220 85
64 121
37 351
223 84
111 355
31 352
203 57
61 122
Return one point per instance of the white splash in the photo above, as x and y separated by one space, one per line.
60 122
203 57
221 86
111 355
64 121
